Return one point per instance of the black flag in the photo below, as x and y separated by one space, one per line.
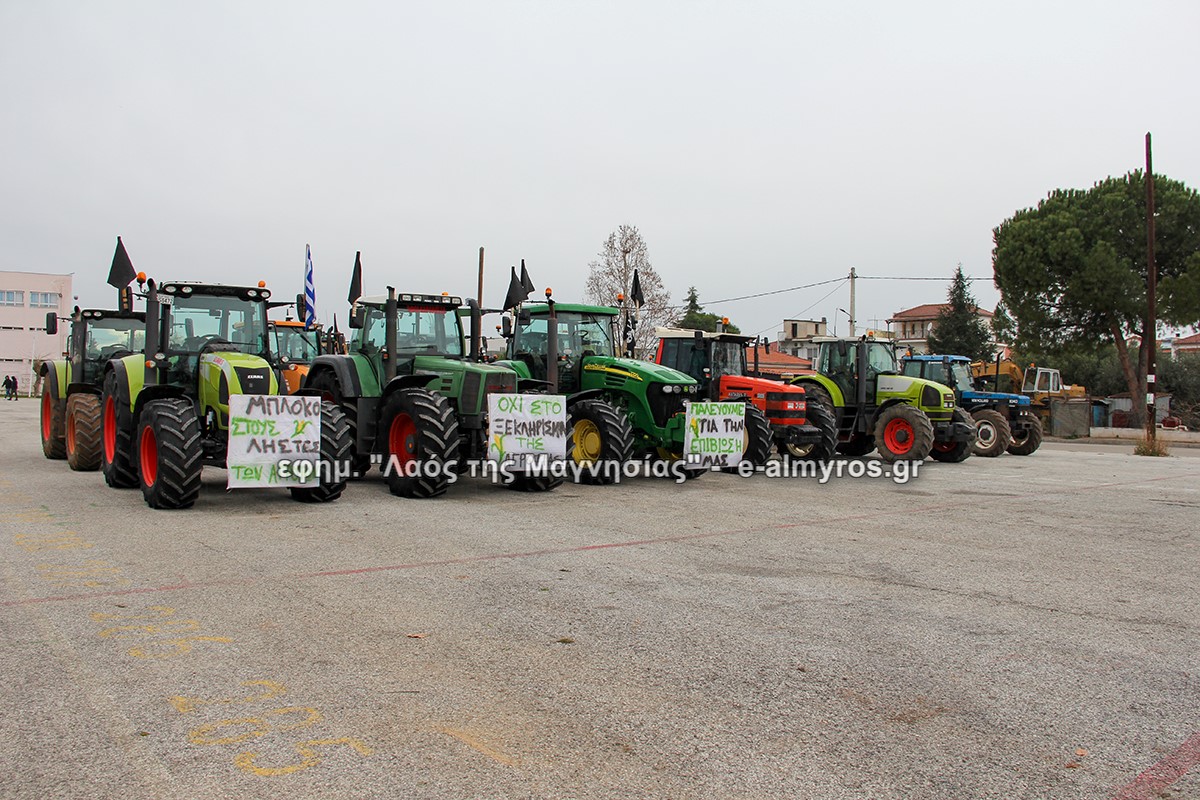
516 292
356 279
526 284
122 273
635 292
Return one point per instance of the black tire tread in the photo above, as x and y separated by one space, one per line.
819 415
616 438
961 450
121 472
922 433
437 440
83 415
999 423
337 446
176 429
1032 441
55 446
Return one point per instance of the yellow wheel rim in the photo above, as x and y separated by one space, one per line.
667 455
589 444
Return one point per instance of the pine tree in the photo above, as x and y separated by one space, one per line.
959 331
695 318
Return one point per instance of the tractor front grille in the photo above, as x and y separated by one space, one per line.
663 406
256 380
469 400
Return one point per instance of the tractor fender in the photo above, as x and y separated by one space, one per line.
590 394
55 374
532 385
343 370
84 388
896 401
118 367
151 393
406 382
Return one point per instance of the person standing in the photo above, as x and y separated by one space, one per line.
12 385
9 389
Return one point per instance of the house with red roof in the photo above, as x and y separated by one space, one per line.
912 326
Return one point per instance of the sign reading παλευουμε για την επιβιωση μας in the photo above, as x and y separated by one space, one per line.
716 434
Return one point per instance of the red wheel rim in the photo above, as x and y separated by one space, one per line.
110 429
898 436
402 439
149 452
47 410
70 434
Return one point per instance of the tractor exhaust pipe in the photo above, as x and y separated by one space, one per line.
861 368
476 330
551 344
154 320
389 334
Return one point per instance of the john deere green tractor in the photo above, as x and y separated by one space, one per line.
878 408
71 386
618 408
165 411
417 402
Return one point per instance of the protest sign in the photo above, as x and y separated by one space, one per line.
267 431
527 426
715 435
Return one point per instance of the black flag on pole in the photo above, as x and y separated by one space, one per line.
516 291
121 273
526 284
356 280
635 292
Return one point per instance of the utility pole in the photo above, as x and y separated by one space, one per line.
1150 334
852 318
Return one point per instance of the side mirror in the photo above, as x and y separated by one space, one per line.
358 317
843 348
52 323
506 329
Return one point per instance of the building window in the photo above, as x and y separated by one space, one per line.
8 298
43 299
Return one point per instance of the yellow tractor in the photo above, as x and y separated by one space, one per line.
1040 384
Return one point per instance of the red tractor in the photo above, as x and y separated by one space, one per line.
718 361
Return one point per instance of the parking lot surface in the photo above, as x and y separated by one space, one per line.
1001 628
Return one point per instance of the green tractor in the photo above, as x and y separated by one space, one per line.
417 403
878 408
71 387
618 408
165 411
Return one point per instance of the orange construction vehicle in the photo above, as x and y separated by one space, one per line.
297 346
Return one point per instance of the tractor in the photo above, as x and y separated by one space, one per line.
718 361
1004 422
71 386
618 408
165 411
301 344
1042 385
876 407
416 402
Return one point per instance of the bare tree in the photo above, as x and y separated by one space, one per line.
625 251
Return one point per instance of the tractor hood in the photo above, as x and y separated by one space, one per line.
243 373
637 370
1018 400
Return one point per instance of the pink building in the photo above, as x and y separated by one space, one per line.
25 298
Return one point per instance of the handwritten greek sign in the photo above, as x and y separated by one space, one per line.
716 434
527 428
266 431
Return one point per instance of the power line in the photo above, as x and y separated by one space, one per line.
906 278
775 291
841 283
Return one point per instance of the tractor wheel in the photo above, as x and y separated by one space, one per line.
116 437
1026 442
954 452
337 443
860 445
992 433
169 453
903 432
83 431
326 383
758 441
419 433
821 417
601 440
54 443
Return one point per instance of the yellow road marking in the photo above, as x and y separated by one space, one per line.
472 741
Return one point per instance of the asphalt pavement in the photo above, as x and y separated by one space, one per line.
1019 627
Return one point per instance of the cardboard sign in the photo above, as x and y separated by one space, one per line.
274 440
716 434
527 428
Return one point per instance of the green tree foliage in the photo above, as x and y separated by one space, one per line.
1073 270
695 318
959 331
1004 327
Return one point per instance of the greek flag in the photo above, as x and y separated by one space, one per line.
310 290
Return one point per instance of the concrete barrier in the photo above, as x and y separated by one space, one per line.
1133 434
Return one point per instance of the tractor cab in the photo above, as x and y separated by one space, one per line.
707 357
855 365
98 336
583 333
297 345
1042 379
952 371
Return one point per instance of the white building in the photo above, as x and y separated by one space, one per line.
796 337
25 298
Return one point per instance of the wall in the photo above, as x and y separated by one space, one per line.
22 326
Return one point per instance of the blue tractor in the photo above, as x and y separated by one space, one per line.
1002 421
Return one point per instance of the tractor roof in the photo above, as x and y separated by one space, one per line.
928 357
408 298
189 289
688 333
108 313
850 339
574 308
291 323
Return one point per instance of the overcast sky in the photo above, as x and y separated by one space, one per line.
757 146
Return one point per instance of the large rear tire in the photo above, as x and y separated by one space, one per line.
601 440
420 430
54 443
903 432
325 382
337 445
116 437
821 417
955 452
170 458
758 438
1025 442
992 433
83 432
